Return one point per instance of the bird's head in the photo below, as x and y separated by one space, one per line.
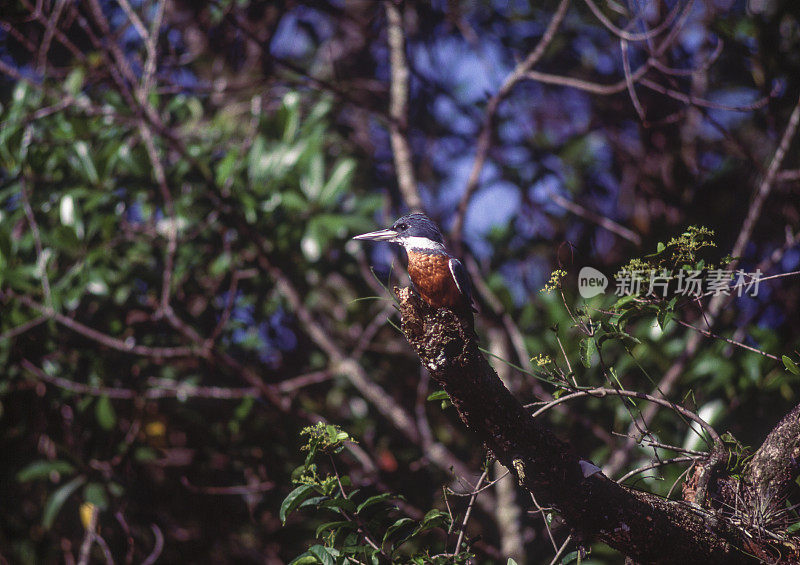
414 231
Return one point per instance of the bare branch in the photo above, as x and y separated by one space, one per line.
398 107
463 529
158 546
695 101
626 66
602 391
765 187
49 32
602 221
627 36
655 465
22 328
728 340
127 346
485 136
161 388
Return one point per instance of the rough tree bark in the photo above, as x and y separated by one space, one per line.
644 527
776 464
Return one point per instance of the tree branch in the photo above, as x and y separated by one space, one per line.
643 526
716 304
398 108
485 136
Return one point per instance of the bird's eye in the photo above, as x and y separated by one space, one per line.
402 227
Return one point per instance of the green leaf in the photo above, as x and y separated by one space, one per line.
790 365
96 494
587 348
293 500
323 554
313 501
145 454
335 526
617 335
793 528
57 499
85 160
226 167
339 504
304 559
66 239
43 469
338 183
244 408
433 519
291 115
438 395
374 500
260 163
312 182
6 247
660 247
398 525
664 317
105 414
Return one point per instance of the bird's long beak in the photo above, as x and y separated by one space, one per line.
380 235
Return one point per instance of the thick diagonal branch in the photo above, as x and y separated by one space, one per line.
645 527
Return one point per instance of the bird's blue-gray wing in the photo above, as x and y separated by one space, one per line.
461 277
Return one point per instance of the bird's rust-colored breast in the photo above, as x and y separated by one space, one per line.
431 274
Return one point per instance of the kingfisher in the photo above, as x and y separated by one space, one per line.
438 277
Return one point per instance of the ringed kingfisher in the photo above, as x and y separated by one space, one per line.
438 277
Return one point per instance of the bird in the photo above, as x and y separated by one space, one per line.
437 276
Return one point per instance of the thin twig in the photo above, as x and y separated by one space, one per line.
158 546
728 340
151 42
654 465
602 221
765 187
541 511
134 19
22 328
561 550
603 391
308 379
468 513
703 103
627 36
49 32
626 67
263 486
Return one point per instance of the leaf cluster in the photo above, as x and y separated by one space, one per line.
366 528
